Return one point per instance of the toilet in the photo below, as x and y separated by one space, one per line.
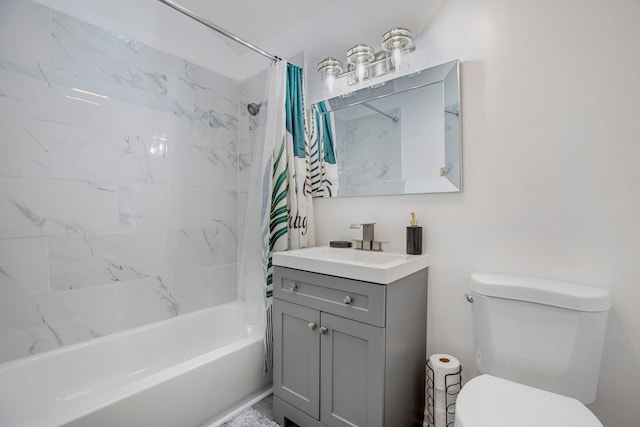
538 344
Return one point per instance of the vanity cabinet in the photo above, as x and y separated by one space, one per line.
348 352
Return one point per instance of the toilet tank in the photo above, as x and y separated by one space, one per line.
543 333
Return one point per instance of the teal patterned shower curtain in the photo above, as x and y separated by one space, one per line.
324 170
291 216
291 224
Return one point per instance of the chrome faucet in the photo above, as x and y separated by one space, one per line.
368 243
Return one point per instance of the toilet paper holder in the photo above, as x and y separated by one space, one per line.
453 384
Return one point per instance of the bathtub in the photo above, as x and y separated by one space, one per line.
192 370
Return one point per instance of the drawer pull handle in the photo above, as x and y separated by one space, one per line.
323 330
347 300
293 287
311 326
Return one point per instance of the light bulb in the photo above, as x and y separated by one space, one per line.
396 58
329 68
329 82
360 72
396 42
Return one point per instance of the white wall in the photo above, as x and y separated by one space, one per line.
551 125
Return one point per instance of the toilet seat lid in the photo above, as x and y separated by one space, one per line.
488 401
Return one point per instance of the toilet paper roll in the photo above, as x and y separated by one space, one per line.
443 365
440 400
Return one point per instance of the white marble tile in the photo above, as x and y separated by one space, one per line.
112 158
44 207
22 341
24 267
23 330
24 147
202 247
30 325
144 301
204 207
223 283
81 48
148 206
49 94
80 314
144 76
24 32
202 93
17 341
209 86
197 166
80 303
22 94
89 260
205 105
101 229
190 288
20 312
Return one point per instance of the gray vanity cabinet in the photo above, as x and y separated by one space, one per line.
297 355
348 352
352 367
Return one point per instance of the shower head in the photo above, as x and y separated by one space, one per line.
253 108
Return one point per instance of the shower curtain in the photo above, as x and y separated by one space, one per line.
279 205
292 207
324 170
255 249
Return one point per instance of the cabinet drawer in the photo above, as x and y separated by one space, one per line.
353 299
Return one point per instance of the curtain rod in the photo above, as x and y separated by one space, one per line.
218 29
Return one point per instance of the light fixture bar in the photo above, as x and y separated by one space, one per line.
365 63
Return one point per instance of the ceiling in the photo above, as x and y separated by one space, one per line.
286 28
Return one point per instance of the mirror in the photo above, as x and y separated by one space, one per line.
399 137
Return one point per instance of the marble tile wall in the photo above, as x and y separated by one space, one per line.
118 182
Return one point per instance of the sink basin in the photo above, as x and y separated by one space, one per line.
377 267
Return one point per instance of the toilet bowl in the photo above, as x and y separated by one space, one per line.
539 344
488 401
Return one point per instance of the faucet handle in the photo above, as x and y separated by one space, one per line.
356 226
369 245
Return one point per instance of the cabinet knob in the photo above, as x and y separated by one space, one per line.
311 326
293 287
323 330
347 300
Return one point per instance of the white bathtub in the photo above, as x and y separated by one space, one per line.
192 370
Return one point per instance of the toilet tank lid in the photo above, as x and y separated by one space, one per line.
542 291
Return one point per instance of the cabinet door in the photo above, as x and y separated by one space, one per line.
352 366
296 356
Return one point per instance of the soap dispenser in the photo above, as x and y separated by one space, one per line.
414 237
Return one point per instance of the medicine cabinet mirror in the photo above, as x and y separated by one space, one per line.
399 137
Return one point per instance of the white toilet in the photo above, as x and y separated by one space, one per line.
539 345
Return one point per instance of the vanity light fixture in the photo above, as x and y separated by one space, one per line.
359 57
330 68
364 63
396 42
